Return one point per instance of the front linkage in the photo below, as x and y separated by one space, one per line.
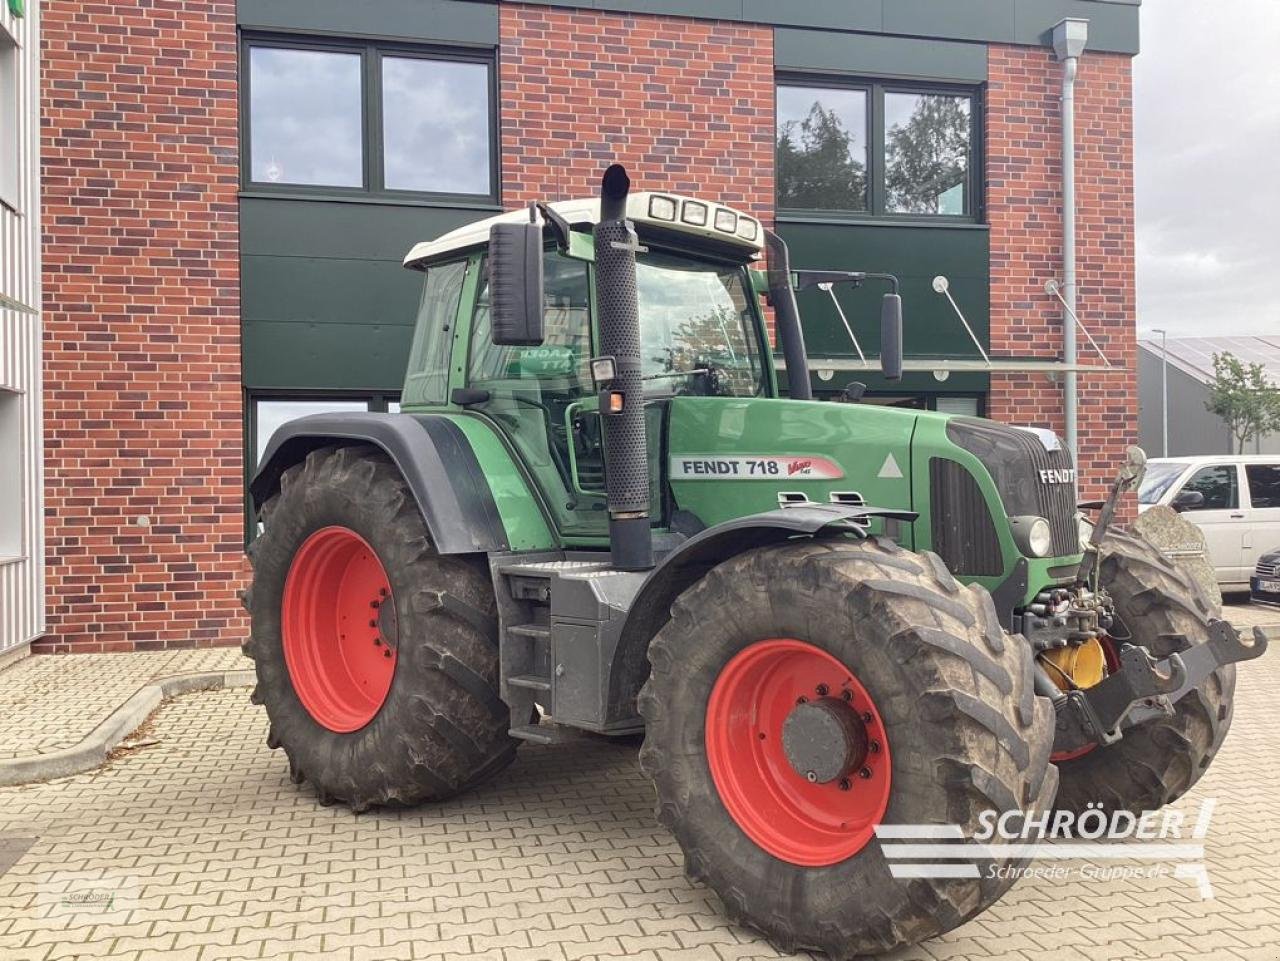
1139 687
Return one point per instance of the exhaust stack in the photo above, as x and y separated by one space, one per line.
625 445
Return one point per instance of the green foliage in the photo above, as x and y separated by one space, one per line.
928 156
1243 396
816 167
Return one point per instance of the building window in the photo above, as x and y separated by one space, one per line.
306 117
435 125
822 148
336 118
876 149
11 463
10 143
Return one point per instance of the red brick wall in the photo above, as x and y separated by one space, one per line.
142 337
686 105
1024 205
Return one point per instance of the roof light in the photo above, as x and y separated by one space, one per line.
726 220
662 208
747 228
694 213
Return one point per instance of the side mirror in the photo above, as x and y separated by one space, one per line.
853 393
515 285
1187 500
891 337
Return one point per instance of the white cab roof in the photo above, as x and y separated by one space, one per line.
746 231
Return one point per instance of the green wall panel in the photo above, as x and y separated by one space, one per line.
325 302
1113 23
916 255
441 21
879 56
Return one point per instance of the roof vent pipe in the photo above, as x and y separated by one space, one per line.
1069 39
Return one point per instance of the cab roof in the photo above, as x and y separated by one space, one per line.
688 216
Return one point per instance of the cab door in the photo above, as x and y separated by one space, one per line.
1220 516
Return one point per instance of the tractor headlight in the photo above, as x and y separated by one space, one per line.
662 208
1033 535
726 220
694 213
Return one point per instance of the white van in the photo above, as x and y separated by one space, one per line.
1233 498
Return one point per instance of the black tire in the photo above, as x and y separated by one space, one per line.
443 727
1165 611
965 732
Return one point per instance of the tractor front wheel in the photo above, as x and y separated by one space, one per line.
377 658
803 695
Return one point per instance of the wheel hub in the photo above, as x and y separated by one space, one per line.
824 740
798 752
338 628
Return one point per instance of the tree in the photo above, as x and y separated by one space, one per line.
816 167
1243 396
927 156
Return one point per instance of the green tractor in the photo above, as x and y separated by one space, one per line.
597 512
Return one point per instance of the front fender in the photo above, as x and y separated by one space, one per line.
433 456
692 559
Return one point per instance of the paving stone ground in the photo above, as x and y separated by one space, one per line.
49 702
199 848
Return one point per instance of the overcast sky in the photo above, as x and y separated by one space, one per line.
1207 106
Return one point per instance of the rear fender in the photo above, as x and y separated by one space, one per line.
432 454
695 557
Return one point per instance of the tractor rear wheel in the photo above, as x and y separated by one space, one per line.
1162 609
377 658
804 694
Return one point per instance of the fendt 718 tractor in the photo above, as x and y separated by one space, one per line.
597 512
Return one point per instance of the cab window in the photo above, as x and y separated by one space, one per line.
427 380
1219 486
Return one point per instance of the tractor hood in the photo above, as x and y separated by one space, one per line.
728 457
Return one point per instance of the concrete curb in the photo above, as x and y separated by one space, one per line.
94 747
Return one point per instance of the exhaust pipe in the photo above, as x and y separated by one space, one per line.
625 446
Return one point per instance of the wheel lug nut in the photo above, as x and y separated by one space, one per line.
845 784
823 690
846 695
382 592
867 718
811 777
377 642
802 699
865 773
373 604
373 623
874 747
386 652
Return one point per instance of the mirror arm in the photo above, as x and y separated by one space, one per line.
559 226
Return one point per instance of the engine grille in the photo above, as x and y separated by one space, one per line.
1015 459
1267 570
964 534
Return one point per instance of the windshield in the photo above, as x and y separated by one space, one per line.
1159 478
697 328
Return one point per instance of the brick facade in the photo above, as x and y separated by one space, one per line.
1024 208
142 337
686 105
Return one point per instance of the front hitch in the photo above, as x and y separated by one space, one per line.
1145 688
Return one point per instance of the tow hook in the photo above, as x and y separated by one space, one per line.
1145 688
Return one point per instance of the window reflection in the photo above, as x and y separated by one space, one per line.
305 117
435 119
926 153
822 148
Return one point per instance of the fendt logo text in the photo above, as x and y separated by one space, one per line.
1062 475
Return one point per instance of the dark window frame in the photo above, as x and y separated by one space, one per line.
372 53
877 194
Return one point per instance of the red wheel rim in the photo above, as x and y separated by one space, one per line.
810 824
339 639
1112 657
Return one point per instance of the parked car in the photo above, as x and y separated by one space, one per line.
1233 498
1264 586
